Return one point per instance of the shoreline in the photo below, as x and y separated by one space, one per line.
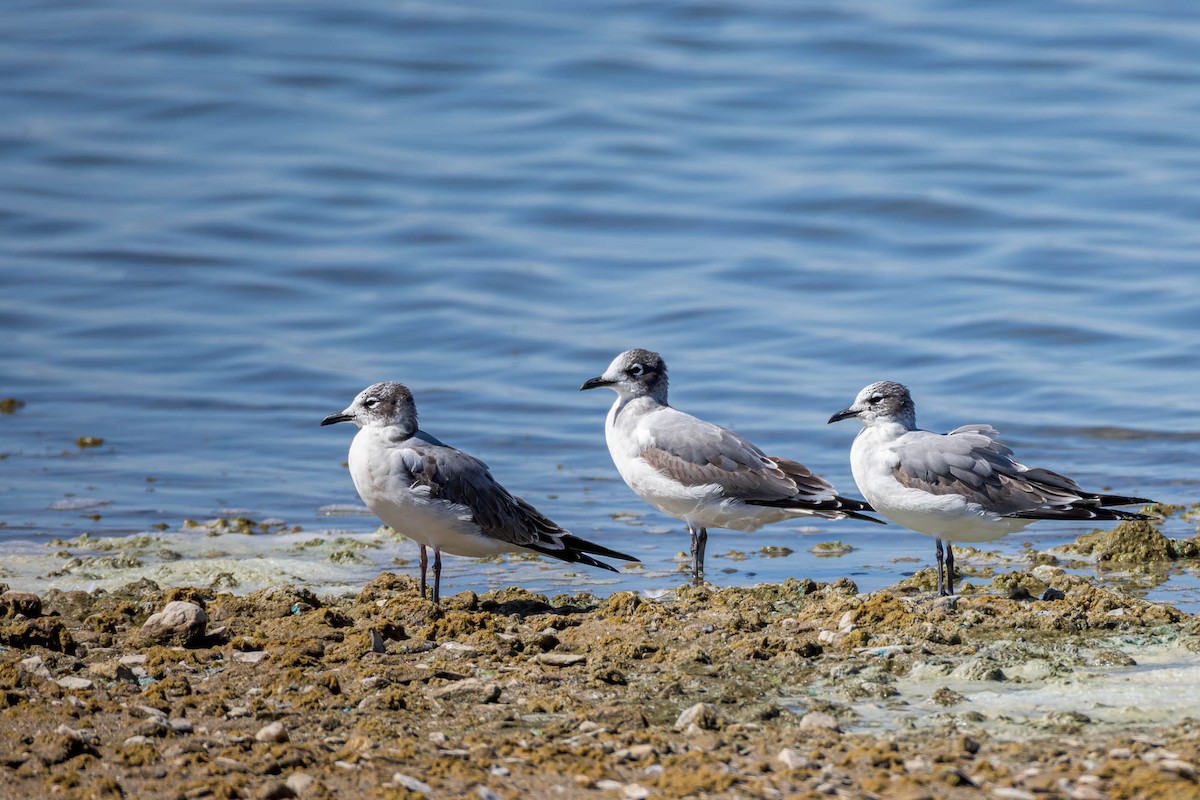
794 689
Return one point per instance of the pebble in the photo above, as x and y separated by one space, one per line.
274 732
702 715
485 793
179 622
181 725
26 604
378 645
792 758
249 656
1179 767
635 791
300 782
560 659
1011 793
819 720
468 690
276 790
410 783
74 682
35 666
457 650
1086 793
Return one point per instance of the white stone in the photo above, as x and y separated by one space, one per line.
274 732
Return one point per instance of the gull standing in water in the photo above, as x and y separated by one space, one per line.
441 497
699 472
962 486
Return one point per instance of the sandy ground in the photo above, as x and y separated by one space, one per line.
793 690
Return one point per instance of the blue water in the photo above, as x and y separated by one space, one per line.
219 221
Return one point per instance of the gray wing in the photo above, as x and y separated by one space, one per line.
457 477
699 453
971 462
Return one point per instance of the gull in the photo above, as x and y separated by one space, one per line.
441 497
698 472
961 486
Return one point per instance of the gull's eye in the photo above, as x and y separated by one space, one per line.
875 399
370 402
635 371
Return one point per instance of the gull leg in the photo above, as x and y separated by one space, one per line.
699 541
437 574
941 588
949 568
424 567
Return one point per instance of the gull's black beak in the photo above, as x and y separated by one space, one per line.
333 419
845 413
595 383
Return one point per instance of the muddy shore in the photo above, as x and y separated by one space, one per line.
792 690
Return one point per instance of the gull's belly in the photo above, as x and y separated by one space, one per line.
947 516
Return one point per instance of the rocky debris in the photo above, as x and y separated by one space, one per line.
712 692
274 732
179 623
20 604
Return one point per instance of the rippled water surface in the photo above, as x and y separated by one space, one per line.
219 221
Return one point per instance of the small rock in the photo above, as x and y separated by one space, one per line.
459 650
274 732
378 645
1120 753
468 690
846 623
181 725
560 659
1178 767
34 665
249 656
1011 793
179 623
702 715
74 682
133 660
237 712
500 771
1117 612
635 791
300 782
27 604
275 791
608 785
484 793
639 752
1086 793
410 783
946 603
956 777
1052 594
819 721
792 758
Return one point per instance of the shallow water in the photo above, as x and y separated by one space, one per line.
219 221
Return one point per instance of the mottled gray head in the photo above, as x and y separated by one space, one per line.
634 373
884 401
380 406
